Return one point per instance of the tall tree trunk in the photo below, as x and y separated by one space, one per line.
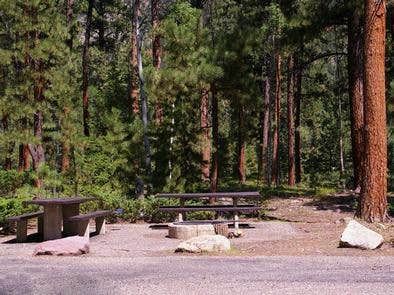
69 19
278 94
24 161
144 100
134 85
37 151
65 144
265 128
241 145
86 70
10 148
290 120
156 52
206 138
215 134
373 201
297 122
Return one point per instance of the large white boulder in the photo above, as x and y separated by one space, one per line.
205 243
358 236
71 246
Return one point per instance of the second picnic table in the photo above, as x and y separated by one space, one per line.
56 213
235 207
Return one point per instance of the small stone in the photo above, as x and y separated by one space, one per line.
71 246
381 226
358 236
206 243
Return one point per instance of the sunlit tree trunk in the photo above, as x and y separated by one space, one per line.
215 135
373 201
241 145
10 148
37 150
65 144
134 85
206 138
85 69
24 158
290 120
265 131
278 94
297 123
156 52
355 74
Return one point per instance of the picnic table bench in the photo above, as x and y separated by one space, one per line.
60 216
21 224
235 208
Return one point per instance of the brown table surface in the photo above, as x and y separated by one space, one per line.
246 195
60 201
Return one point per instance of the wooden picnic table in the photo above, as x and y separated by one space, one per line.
57 211
235 208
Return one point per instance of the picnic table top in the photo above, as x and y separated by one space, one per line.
59 201
207 195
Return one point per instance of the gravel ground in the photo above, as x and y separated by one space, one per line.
300 256
197 275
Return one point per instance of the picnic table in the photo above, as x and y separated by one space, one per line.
235 207
57 212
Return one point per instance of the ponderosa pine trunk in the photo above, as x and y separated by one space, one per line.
10 148
297 122
134 85
86 69
37 150
265 128
24 155
206 138
373 201
275 148
356 95
156 52
241 145
290 121
65 144
215 135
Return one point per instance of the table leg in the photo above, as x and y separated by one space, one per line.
236 218
52 222
70 228
236 222
181 215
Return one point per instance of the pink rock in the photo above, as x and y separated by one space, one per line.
70 246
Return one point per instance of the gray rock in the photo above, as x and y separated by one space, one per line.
71 246
357 235
187 231
206 243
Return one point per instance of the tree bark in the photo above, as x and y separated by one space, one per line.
69 19
215 134
156 53
206 138
37 151
86 70
290 120
134 85
373 201
356 95
241 145
297 124
24 154
265 128
144 101
65 157
10 148
278 94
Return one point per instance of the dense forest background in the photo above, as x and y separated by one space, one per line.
115 98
